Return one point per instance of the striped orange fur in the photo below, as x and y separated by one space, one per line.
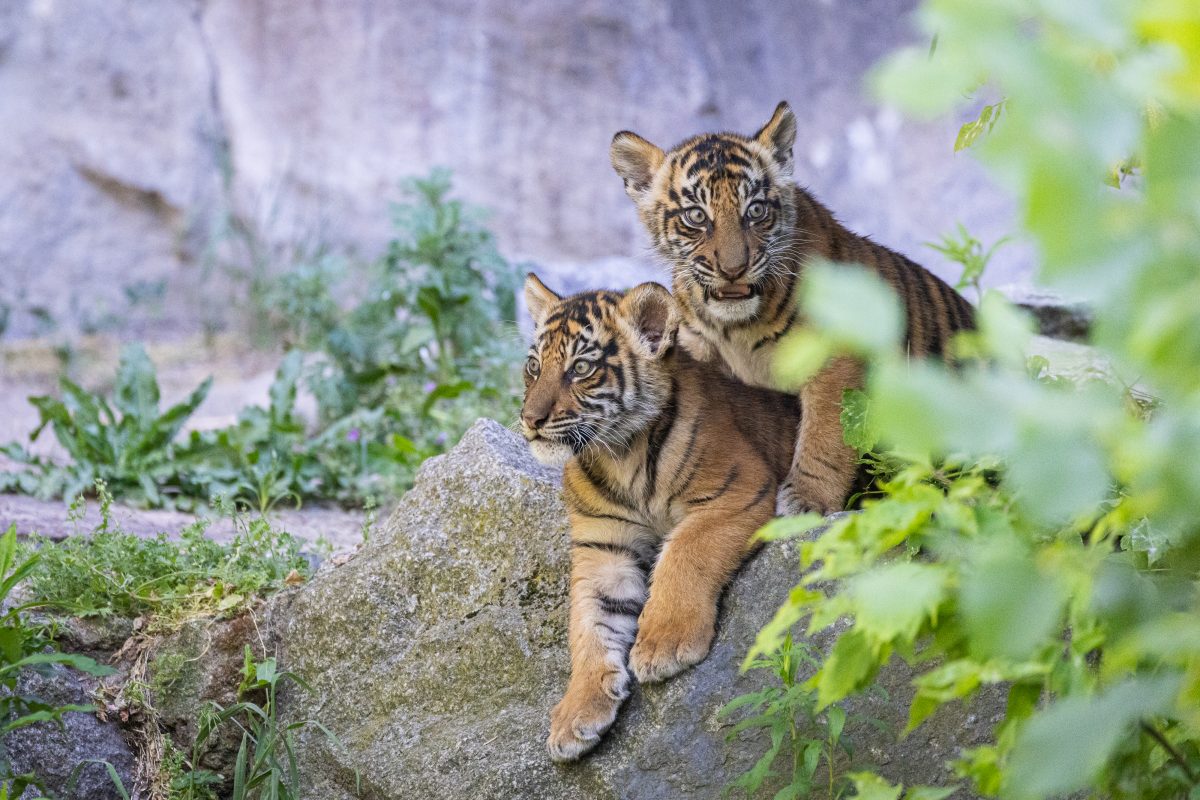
737 233
671 466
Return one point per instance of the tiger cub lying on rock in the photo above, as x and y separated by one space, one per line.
671 466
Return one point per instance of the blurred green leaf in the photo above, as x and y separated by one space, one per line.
1009 606
853 306
895 600
1063 747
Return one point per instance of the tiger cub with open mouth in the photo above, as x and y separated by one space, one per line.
670 468
737 232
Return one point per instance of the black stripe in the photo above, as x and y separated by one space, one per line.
614 517
658 437
623 635
925 306
609 491
729 479
757 498
626 608
771 337
953 309
695 466
644 562
610 547
904 289
937 311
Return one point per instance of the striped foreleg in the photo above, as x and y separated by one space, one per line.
608 589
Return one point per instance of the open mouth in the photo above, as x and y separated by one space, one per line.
733 291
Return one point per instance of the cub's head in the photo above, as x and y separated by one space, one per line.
598 370
717 208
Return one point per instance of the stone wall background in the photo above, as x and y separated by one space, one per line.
143 144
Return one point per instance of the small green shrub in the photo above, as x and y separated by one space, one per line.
112 572
804 738
128 443
266 767
969 253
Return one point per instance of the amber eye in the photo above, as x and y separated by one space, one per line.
695 217
532 367
583 368
756 211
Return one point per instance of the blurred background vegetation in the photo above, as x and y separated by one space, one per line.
398 358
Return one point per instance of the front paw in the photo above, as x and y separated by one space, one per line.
586 711
791 501
666 647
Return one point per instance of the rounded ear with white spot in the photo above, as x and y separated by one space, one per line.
778 136
538 298
636 161
650 312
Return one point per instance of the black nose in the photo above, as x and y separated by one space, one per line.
534 419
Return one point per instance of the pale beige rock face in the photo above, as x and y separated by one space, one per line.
134 132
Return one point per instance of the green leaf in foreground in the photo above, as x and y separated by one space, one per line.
1062 748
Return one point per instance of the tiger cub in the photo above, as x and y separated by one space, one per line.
737 231
670 467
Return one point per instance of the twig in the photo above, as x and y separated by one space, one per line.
1177 756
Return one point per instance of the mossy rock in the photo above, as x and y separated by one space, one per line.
437 651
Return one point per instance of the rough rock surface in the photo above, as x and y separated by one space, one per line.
147 146
437 651
55 753
1056 316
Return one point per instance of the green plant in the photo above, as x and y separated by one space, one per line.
971 131
434 309
967 251
788 712
26 647
451 271
128 444
1038 536
400 360
113 572
266 767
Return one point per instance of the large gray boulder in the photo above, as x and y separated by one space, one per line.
437 652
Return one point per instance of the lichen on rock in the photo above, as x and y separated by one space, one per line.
438 650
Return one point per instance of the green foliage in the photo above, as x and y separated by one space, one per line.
26 647
799 731
127 443
112 572
868 786
400 361
967 251
970 132
438 309
266 767
1039 536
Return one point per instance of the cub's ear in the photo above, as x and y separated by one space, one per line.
650 312
778 136
538 298
636 161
